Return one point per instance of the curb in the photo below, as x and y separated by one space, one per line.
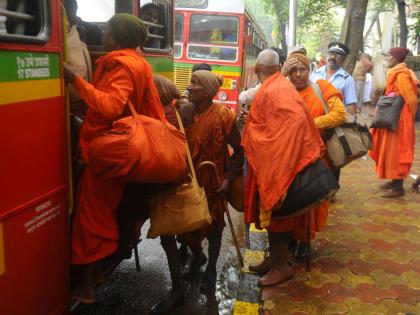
248 300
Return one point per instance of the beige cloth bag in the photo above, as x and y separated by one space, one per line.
182 209
78 58
348 142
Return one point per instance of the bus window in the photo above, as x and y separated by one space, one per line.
213 30
96 10
192 4
23 20
179 32
156 14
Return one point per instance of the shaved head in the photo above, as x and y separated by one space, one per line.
267 64
268 57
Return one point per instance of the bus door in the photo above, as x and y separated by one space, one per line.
33 160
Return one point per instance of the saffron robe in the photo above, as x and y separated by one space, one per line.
393 151
336 116
208 138
120 76
280 139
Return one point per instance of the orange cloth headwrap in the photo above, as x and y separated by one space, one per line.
300 55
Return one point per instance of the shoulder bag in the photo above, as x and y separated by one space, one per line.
139 148
347 142
388 112
312 185
182 209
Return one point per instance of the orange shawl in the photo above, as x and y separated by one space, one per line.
280 139
207 140
312 100
393 152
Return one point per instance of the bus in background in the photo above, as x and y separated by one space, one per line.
35 181
223 34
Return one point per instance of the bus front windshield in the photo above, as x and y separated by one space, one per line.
208 31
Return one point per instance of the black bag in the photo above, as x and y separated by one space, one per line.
313 184
388 111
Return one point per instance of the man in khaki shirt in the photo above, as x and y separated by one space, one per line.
363 65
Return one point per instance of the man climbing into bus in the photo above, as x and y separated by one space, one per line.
121 75
89 33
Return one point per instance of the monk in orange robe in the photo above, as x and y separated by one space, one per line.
280 139
393 151
212 130
298 74
121 75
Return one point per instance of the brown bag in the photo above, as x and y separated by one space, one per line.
140 149
180 210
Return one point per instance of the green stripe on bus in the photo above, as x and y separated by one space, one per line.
160 64
22 66
215 67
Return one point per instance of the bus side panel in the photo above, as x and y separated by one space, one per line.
161 64
33 127
35 278
33 187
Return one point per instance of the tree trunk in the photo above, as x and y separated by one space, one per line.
281 25
402 18
352 30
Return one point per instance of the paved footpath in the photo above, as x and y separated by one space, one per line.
367 261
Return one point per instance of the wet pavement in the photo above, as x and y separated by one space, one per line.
367 261
128 292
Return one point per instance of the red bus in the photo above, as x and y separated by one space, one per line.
223 34
35 168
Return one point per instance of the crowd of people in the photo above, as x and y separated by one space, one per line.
279 132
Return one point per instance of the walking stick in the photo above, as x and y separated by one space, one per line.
232 229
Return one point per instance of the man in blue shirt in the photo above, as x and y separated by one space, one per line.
334 73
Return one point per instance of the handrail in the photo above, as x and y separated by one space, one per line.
153 24
156 36
17 15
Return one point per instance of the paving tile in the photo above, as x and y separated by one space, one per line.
360 267
395 307
367 261
412 279
373 295
352 280
385 280
317 278
356 307
337 293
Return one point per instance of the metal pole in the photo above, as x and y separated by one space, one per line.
292 23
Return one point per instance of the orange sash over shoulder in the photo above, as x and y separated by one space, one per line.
312 100
280 139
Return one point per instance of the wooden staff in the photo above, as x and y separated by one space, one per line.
232 229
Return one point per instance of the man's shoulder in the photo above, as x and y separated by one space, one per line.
274 86
342 72
318 74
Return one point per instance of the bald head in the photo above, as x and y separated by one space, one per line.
267 64
268 57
